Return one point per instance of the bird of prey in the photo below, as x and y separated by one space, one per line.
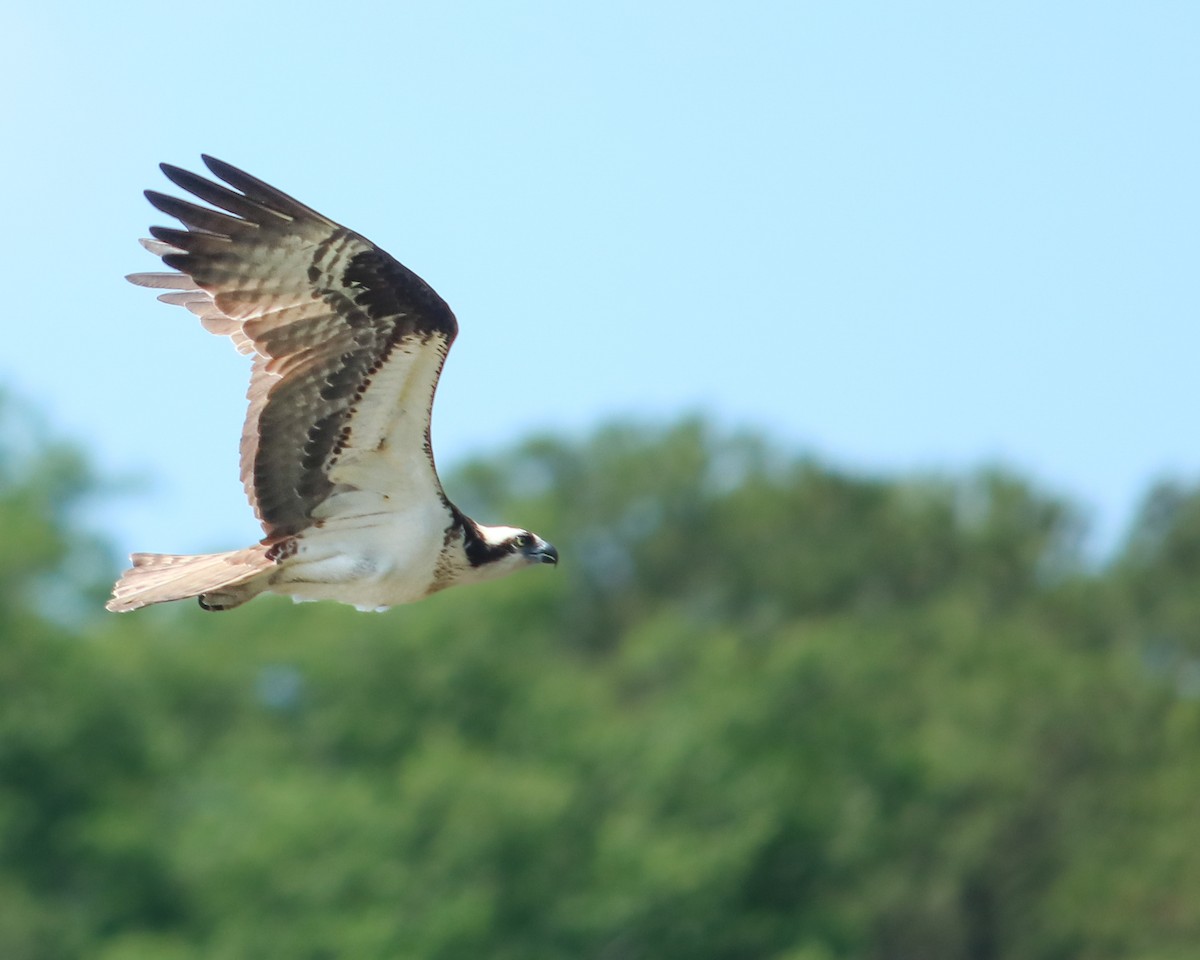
347 347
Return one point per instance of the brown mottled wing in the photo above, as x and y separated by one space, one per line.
348 343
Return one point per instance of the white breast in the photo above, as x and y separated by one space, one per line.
368 559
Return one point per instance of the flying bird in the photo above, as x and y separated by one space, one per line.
347 346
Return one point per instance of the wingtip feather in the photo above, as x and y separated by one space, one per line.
219 167
157 247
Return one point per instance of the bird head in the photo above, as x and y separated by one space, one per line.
496 551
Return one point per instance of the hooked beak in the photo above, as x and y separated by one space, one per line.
547 554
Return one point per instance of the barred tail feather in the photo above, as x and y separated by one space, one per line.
219 580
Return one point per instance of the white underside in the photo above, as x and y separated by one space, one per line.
372 560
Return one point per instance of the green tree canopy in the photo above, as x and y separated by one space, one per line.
765 708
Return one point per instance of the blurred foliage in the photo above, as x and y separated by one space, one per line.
763 709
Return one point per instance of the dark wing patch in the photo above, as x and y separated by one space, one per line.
320 306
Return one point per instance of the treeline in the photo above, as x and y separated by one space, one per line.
763 709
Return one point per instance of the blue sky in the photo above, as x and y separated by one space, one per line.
904 236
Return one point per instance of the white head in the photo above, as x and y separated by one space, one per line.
497 551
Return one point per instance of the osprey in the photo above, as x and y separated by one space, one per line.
347 347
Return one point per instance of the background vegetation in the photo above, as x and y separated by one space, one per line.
763 709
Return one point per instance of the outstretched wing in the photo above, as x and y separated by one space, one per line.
348 343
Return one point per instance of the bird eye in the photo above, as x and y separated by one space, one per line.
522 540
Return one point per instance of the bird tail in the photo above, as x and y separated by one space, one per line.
220 580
